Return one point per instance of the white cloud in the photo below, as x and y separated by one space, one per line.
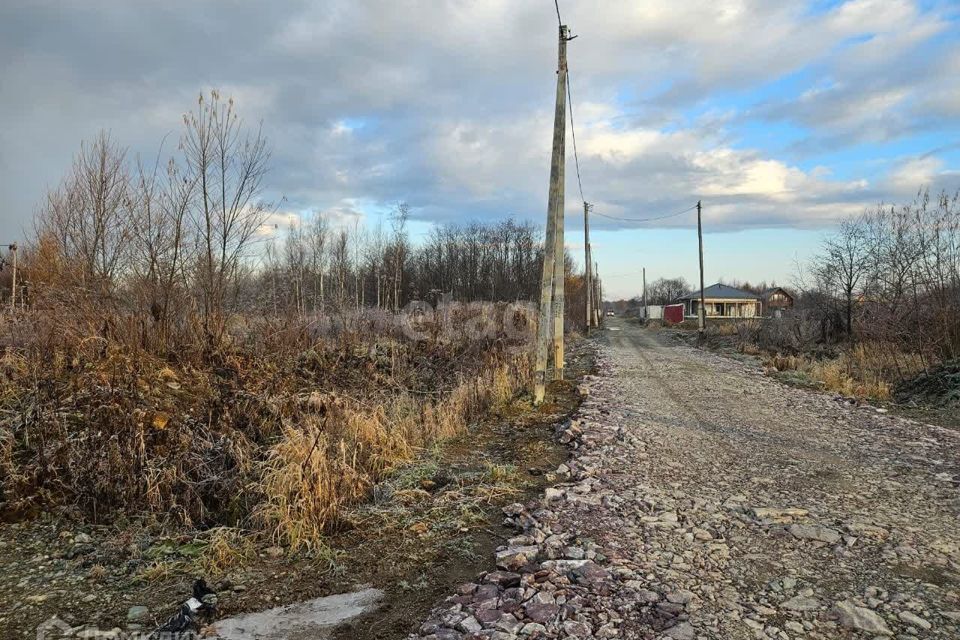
857 16
456 98
914 173
886 76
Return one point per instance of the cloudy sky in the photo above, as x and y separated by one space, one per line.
783 117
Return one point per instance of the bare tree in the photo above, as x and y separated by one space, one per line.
296 256
228 164
340 265
666 290
398 251
161 244
317 240
842 267
87 215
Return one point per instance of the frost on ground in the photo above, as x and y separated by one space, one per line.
704 500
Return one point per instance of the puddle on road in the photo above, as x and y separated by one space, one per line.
310 620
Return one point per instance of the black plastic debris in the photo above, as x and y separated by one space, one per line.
186 622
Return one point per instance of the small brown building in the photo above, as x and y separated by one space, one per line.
775 301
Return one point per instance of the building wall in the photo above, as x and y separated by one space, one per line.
776 303
720 308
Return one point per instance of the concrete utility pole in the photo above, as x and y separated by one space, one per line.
13 285
702 324
596 274
596 294
549 307
594 319
587 267
559 264
645 294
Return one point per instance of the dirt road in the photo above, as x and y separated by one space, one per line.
706 500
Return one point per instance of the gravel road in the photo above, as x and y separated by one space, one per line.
705 500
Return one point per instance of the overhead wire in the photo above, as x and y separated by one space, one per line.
651 219
576 159
576 155
622 275
573 136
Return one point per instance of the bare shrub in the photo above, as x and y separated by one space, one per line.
85 219
879 304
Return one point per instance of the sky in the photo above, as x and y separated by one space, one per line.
782 117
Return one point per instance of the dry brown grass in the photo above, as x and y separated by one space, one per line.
226 549
782 362
869 370
333 458
751 349
461 502
276 432
722 328
158 570
97 572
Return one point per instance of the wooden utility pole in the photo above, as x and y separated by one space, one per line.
645 310
549 307
587 266
702 324
13 285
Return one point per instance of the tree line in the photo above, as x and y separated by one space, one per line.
891 276
322 267
182 244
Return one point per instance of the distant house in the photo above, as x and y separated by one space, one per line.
722 301
776 300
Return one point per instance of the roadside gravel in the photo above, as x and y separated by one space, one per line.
705 500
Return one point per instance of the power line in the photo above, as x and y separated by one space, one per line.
573 132
621 275
576 155
573 135
664 217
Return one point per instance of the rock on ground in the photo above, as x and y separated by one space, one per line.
704 500
315 619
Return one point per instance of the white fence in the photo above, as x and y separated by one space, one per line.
653 312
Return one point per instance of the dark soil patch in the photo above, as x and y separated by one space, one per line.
932 397
941 386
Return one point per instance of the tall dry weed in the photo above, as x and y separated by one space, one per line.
331 460
277 429
868 370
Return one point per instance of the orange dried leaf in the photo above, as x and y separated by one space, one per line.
160 420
